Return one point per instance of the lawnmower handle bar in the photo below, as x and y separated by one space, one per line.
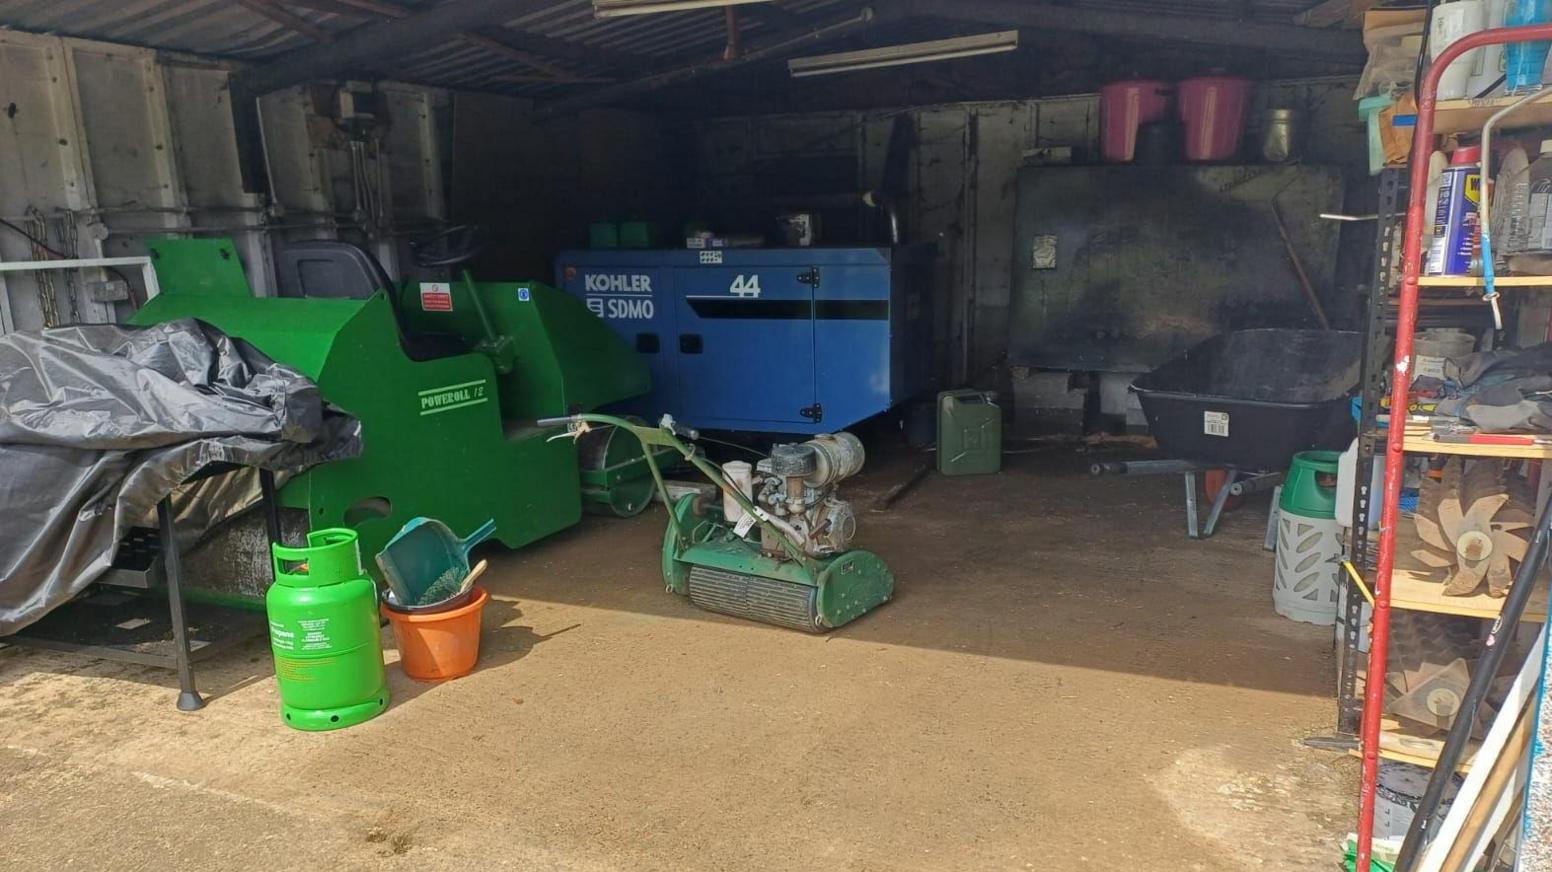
668 423
664 434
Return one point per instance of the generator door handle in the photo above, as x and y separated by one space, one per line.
690 343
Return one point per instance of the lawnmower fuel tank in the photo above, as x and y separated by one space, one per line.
790 340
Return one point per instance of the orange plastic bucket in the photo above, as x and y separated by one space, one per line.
437 646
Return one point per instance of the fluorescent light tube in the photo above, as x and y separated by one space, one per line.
899 55
617 8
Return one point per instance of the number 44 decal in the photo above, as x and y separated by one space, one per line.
747 287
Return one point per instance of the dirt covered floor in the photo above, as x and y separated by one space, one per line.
1063 682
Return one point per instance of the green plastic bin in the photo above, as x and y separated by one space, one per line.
635 234
603 236
969 433
1310 489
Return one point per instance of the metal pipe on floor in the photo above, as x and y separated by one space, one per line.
1145 467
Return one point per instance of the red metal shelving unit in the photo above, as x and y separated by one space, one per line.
1395 446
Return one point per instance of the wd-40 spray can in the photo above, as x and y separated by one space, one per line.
1457 215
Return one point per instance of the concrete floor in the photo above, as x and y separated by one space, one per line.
1064 682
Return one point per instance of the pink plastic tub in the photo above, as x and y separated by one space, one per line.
1124 107
1212 110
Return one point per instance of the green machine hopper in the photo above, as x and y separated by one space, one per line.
447 379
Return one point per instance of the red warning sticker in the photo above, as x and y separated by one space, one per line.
436 297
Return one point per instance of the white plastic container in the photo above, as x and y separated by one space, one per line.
1538 221
1346 484
1511 204
1436 164
1451 21
1309 556
1489 67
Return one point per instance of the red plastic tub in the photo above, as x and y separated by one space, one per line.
1212 110
1124 107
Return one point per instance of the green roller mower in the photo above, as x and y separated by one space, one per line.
777 547
446 378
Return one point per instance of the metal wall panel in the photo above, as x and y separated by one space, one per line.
109 144
965 170
1119 268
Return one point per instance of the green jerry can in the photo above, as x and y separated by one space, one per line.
324 633
969 433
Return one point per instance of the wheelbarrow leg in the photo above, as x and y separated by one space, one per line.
1271 519
1192 531
1219 501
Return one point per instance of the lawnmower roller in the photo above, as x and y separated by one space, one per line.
784 557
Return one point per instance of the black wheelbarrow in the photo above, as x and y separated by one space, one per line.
1246 402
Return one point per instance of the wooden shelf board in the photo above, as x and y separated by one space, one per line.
1403 745
1478 281
1422 442
1416 592
1461 116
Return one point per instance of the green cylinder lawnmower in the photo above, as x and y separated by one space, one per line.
777 548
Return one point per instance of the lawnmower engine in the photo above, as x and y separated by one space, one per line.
778 547
797 486
793 565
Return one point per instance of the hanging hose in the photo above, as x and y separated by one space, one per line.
1494 648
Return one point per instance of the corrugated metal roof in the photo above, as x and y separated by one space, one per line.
233 29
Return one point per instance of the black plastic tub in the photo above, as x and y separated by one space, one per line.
1251 399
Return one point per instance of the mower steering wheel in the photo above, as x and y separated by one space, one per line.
450 247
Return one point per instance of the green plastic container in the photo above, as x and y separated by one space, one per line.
324 634
603 235
1310 489
969 433
635 234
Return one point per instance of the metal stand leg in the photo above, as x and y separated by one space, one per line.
1202 530
271 505
1221 500
1271 519
1191 529
188 698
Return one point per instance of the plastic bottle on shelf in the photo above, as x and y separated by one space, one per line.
1511 203
1538 221
1490 60
1436 164
1451 21
1524 61
1346 485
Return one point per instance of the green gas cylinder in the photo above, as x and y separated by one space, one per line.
324 634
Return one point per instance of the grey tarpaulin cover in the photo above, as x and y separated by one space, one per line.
1501 390
99 422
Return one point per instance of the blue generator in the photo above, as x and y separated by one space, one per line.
778 340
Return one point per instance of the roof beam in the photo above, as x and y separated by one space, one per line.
771 15
499 46
376 44
1285 38
527 48
379 7
353 8
289 20
778 46
570 51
